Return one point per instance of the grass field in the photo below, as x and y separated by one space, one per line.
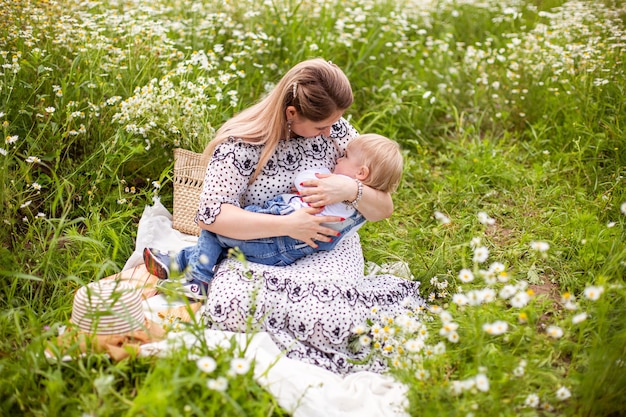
511 212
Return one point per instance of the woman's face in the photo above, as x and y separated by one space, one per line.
307 128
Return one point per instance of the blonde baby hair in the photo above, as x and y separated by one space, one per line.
383 158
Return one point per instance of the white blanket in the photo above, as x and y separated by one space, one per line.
302 389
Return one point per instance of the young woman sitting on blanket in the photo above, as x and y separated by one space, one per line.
310 306
370 159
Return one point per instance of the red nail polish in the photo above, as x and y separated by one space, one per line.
331 240
338 234
301 184
342 219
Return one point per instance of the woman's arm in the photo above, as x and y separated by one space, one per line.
302 224
374 205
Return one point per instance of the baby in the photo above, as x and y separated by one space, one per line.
370 159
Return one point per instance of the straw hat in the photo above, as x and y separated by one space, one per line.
108 307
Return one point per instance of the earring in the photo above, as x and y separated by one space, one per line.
288 129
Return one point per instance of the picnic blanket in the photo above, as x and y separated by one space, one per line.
304 390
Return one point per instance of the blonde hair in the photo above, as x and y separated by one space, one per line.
316 88
383 157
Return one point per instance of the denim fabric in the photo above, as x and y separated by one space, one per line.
285 250
279 251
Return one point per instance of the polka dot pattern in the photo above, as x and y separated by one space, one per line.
309 307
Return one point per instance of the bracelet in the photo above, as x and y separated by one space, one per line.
359 193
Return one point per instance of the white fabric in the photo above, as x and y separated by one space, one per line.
303 389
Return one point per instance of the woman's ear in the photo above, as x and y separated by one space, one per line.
290 112
362 173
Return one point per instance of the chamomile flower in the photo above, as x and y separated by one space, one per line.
460 299
465 275
563 393
623 208
496 328
484 218
218 384
414 345
520 299
482 382
554 332
359 329
206 364
532 401
442 218
365 340
240 366
481 254
448 328
593 292
579 318
422 374
539 246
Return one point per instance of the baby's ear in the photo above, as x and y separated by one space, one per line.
363 173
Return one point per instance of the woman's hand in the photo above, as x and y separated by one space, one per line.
304 225
328 189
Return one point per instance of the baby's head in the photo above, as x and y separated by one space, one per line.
375 160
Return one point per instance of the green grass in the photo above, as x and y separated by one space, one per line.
514 109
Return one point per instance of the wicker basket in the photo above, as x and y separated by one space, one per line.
189 171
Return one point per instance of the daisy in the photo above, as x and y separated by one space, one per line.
439 348
422 374
593 293
442 218
563 393
359 329
520 299
365 340
623 208
507 292
532 400
206 364
218 384
481 254
482 382
465 275
460 299
484 218
414 345
453 337
555 332
496 267
539 246
240 366
496 328
579 318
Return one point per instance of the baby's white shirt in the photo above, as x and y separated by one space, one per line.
338 209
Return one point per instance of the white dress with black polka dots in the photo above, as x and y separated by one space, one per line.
310 307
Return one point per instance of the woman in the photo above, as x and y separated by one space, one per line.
310 307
